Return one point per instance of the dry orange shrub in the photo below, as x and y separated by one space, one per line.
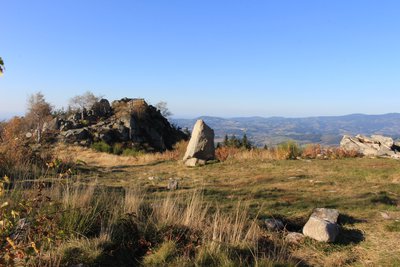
312 151
225 153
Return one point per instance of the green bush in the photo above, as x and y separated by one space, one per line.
132 152
117 149
102 147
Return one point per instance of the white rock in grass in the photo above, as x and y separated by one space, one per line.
193 162
322 225
172 184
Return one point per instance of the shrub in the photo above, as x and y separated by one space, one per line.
117 149
311 151
225 152
124 231
289 149
132 152
102 147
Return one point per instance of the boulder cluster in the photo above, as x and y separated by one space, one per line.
127 121
374 146
322 226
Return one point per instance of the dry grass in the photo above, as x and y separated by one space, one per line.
284 151
290 189
247 187
93 158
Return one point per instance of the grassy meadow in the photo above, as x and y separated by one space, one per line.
109 210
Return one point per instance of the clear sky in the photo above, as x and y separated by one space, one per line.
221 58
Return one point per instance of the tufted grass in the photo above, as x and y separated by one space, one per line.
215 218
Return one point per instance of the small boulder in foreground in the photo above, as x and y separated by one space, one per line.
322 225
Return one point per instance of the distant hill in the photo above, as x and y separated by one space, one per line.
326 130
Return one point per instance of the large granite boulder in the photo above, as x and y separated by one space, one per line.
374 146
322 225
201 144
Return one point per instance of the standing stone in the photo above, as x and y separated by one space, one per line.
201 144
322 225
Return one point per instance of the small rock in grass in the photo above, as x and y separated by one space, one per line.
294 238
172 184
322 225
193 162
385 215
274 224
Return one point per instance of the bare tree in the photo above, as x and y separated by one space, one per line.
82 102
38 112
162 107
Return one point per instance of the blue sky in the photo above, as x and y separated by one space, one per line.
222 58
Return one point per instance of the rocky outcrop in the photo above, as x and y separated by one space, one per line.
201 145
374 146
322 225
131 122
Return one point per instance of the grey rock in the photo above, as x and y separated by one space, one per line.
330 215
77 135
274 224
374 146
201 144
322 225
385 215
66 125
321 230
385 152
294 238
383 140
172 184
52 125
101 109
127 121
193 162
